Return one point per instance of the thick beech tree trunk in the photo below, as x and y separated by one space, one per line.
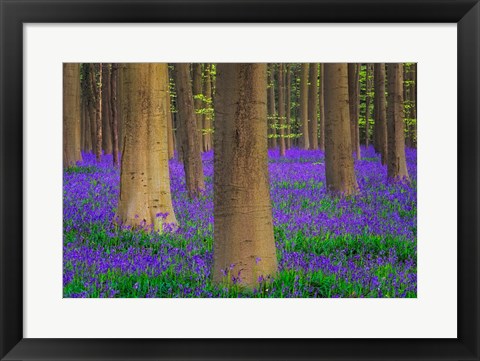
396 164
339 171
71 114
145 198
190 147
244 245
380 104
281 108
321 105
304 140
313 106
354 101
114 112
272 115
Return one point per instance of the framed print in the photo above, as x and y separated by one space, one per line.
100 262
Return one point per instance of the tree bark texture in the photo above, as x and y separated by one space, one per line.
354 101
304 140
380 105
288 140
339 170
197 100
145 198
207 116
396 164
244 245
321 105
190 146
106 110
71 115
313 106
114 112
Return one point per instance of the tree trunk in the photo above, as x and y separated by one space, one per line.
281 108
114 113
367 104
207 117
339 170
170 138
92 115
121 105
380 111
397 165
145 198
288 108
106 110
313 106
190 147
413 95
97 91
71 114
354 101
321 105
304 138
244 245
272 115
197 99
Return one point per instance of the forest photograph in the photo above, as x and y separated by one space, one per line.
251 180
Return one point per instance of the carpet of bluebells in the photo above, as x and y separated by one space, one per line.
362 246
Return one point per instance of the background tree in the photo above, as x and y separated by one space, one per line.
190 146
244 245
71 114
380 111
354 102
304 138
288 108
313 106
368 88
396 164
197 99
145 197
339 170
272 115
208 109
170 133
106 110
281 108
114 112
96 83
321 106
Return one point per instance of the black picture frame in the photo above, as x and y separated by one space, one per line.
14 13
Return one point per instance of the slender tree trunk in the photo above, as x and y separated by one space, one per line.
281 108
71 114
304 138
106 110
339 170
192 159
197 100
380 111
121 105
272 115
313 106
288 108
207 117
354 101
114 113
397 165
145 198
170 138
92 115
241 182
97 90
367 104
321 93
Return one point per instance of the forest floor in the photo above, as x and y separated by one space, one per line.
362 246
